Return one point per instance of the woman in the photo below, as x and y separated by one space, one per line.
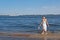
44 25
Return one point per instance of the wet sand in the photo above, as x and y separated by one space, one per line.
21 36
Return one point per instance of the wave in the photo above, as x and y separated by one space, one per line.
54 24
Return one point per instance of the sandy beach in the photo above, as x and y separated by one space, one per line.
22 36
49 35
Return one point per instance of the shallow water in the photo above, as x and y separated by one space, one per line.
28 24
22 38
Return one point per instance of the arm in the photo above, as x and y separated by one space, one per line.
47 22
41 23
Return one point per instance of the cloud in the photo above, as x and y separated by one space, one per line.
41 10
50 10
30 11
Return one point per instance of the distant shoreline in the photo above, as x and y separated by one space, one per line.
32 15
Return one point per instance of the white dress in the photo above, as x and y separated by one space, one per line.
44 26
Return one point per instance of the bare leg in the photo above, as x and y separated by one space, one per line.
42 31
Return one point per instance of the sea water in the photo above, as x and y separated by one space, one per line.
28 23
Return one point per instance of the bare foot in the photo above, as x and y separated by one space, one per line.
42 33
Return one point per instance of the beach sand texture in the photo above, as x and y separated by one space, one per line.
49 35
22 36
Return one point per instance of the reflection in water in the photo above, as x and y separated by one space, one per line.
25 38
44 38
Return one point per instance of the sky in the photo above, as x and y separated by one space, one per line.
29 7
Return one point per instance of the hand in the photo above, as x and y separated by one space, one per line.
38 27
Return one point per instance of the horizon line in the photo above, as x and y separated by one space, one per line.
29 14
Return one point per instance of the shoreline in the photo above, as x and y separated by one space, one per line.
49 35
